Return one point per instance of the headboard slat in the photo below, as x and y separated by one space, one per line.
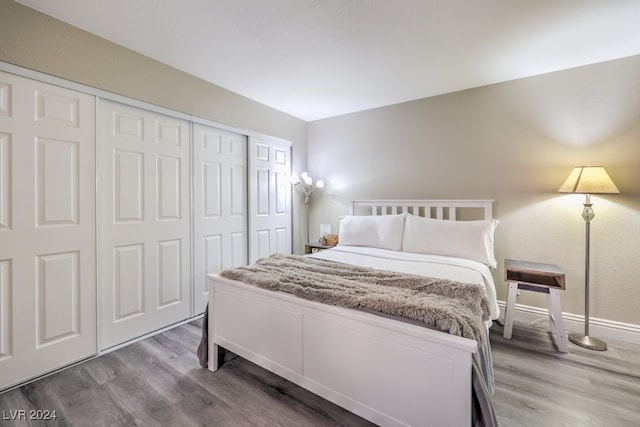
444 209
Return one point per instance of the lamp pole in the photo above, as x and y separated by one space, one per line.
584 340
588 180
304 183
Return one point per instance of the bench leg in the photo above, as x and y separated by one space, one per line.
555 313
512 292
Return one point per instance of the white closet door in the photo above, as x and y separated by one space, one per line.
145 222
269 198
47 228
220 205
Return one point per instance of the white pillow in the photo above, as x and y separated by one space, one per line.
379 231
462 239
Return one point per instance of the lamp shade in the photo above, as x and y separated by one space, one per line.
588 180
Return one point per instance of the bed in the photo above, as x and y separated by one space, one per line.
386 368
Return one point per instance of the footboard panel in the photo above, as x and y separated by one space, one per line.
268 333
389 372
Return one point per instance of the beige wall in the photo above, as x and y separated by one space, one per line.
36 41
515 143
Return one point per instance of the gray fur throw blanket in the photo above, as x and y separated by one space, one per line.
453 307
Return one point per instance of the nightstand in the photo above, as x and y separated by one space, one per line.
313 247
536 277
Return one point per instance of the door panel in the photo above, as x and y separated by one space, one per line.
57 296
128 282
168 179
5 181
47 228
145 224
128 186
220 204
169 272
6 311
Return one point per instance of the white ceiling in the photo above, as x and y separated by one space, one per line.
321 58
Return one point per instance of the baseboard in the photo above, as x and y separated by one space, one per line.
600 328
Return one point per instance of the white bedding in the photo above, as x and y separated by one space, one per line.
443 267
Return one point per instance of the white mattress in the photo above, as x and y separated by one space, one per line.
443 267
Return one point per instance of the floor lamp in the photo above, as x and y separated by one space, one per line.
588 180
304 183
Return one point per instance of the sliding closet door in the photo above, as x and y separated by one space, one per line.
269 198
47 228
145 222
220 205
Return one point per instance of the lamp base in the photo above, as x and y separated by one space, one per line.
588 342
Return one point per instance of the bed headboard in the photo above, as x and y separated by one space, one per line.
439 209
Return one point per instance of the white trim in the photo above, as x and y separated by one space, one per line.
263 136
89 90
98 230
600 328
149 335
98 354
192 217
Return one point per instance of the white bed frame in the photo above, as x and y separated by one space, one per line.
387 371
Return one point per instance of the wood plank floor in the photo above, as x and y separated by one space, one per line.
158 381
537 386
